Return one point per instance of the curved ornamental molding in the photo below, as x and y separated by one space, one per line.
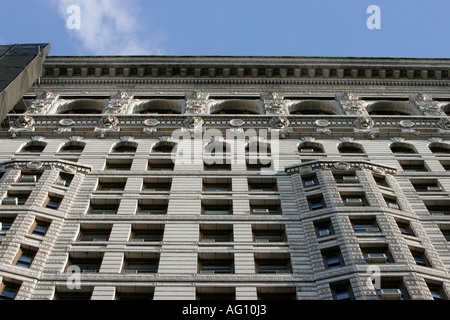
119 103
43 103
66 166
336 165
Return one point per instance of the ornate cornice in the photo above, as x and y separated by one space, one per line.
66 166
309 166
247 70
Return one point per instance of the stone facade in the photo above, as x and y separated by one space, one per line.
359 179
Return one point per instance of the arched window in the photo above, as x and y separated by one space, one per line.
401 147
236 106
392 108
315 107
310 147
160 106
350 147
125 147
73 147
34 146
446 109
164 147
439 147
82 106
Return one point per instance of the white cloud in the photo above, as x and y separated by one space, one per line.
111 27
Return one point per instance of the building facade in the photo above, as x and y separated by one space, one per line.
228 178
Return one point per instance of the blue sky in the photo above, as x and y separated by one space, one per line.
409 28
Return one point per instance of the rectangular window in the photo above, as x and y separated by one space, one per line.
217 184
354 199
216 233
94 232
265 209
30 177
156 184
349 177
262 185
53 201
143 263
310 180
111 184
104 207
16 198
152 207
6 223
365 225
25 258
64 179
216 263
323 228
217 207
426 185
420 257
381 181
413 165
437 291
342 290
269 233
8 290
88 262
215 293
332 258
316 202
40 228
217 167
272 263
147 232
392 203
377 254
405 228
119 165
160 165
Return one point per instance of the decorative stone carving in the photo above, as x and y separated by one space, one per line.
119 103
324 131
65 122
48 165
192 122
24 123
64 126
151 122
149 131
366 125
280 124
273 103
322 123
43 103
196 102
426 104
107 124
351 104
34 165
237 122
342 166
407 123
